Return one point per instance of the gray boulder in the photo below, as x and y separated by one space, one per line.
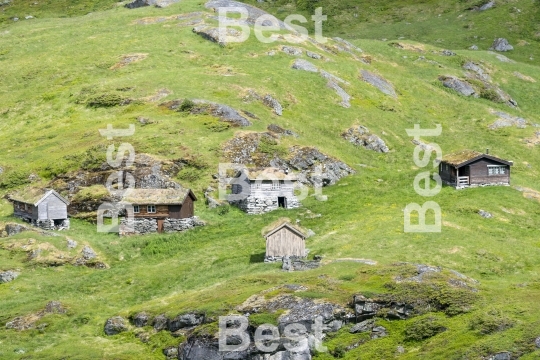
291 50
301 64
473 47
160 322
141 319
461 86
361 136
379 82
184 321
485 214
505 355
88 253
115 325
279 130
223 112
14 229
537 342
487 6
501 44
71 244
212 34
345 98
507 120
364 326
477 69
8 276
447 53
272 103
157 3
378 332
313 55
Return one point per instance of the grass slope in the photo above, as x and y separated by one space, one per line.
44 130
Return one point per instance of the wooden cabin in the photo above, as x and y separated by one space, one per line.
285 240
260 190
44 208
472 168
160 204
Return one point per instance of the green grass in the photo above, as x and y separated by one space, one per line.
44 130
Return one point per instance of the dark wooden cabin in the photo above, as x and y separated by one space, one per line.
472 168
41 207
161 203
285 240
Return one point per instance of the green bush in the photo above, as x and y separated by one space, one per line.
186 106
223 209
423 329
106 100
13 179
491 322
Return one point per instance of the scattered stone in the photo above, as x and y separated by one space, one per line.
345 98
447 53
141 319
507 120
361 136
88 253
271 53
71 244
537 342
301 64
379 82
473 47
516 74
14 229
501 44
160 322
272 103
348 46
487 6
223 112
8 276
461 86
115 325
171 352
15 19
505 355
157 3
477 69
400 350
485 214
290 50
29 17
332 77
29 321
212 34
364 326
185 321
378 332
313 55
279 130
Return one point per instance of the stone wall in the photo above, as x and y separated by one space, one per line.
259 205
47 224
149 226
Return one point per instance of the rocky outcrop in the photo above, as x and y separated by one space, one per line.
157 3
365 308
185 321
29 321
505 355
272 103
501 44
301 64
141 319
460 86
212 34
345 98
477 69
379 82
313 55
507 120
276 129
14 229
485 214
223 112
291 50
361 136
8 276
487 6
115 325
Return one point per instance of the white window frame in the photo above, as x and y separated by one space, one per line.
276 185
136 209
494 170
151 209
257 185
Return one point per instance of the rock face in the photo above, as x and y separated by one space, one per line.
141 319
160 322
272 103
157 3
364 326
369 308
115 325
8 276
501 44
301 64
461 86
379 82
477 69
279 130
361 136
507 120
185 321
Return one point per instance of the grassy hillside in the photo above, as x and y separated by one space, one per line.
50 65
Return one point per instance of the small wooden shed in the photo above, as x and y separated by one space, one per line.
42 207
472 168
285 240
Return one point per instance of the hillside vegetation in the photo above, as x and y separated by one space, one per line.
68 73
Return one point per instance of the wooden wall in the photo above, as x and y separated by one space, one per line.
52 208
162 211
19 210
447 173
285 243
187 210
479 173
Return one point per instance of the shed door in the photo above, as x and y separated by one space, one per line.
174 211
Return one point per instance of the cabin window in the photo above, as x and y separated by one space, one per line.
257 185
136 209
151 209
25 207
275 185
496 170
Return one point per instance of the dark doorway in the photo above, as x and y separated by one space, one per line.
160 226
174 211
282 201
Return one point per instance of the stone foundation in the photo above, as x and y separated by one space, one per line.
149 226
48 224
260 205
453 184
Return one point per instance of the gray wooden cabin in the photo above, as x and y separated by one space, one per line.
472 168
285 240
44 208
260 190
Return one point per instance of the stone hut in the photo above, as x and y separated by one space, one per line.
285 240
159 210
471 168
44 208
260 190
